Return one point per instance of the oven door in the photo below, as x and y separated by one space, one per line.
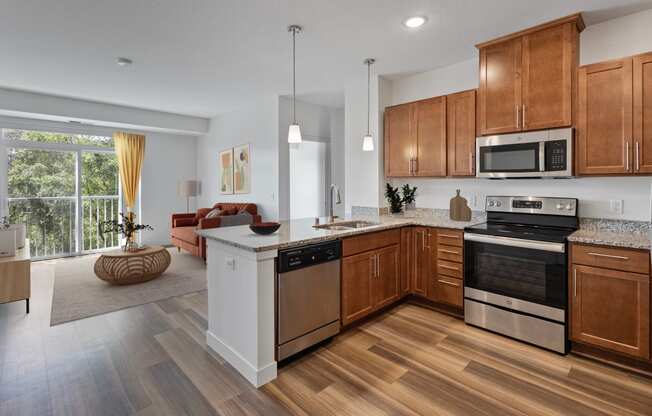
521 274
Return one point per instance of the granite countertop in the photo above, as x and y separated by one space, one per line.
627 234
300 232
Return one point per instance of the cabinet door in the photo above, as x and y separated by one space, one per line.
449 290
388 277
405 258
431 137
548 67
611 309
460 137
643 113
400 140
422 261
500 87
604 132
357 286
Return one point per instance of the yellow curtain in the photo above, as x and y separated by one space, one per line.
130 149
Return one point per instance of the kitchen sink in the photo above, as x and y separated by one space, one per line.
346 225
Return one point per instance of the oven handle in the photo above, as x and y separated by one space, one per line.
516 242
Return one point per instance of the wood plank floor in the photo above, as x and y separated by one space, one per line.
153 360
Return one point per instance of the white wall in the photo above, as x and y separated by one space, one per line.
608 40
257 125
168 158
338 151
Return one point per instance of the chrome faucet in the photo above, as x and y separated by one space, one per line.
337 200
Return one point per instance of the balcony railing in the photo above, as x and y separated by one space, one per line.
52 223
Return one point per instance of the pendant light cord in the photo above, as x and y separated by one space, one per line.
294 75
368 95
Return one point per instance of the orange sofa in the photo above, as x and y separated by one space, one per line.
184 225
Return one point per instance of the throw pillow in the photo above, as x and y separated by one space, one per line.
201 213
214 213
230 211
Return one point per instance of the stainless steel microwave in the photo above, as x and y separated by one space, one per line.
536 154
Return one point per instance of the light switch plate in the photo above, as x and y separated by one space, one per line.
230 263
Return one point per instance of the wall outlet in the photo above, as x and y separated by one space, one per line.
230 263
616 206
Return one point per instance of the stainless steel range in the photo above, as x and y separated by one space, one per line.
515 269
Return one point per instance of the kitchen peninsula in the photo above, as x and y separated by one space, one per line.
241 291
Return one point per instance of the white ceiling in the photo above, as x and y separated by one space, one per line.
202 57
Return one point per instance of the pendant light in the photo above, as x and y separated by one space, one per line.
294 132
368 140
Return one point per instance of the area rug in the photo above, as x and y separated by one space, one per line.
78 293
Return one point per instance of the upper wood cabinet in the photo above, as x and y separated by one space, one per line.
604 129
643 113
460 137
431 137
527 78
400 140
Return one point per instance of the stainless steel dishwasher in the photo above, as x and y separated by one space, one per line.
307 296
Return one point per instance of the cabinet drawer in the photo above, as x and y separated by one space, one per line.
449 253
612 258
447 268
372 241
450 237
448 290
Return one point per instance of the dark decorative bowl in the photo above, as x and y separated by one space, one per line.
265 228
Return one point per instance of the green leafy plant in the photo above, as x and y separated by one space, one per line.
409 194
4 224
394 198
127 227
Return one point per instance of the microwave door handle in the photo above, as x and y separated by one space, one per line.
516 242
542 156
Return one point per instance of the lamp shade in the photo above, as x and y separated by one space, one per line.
368 143
188 188
294 134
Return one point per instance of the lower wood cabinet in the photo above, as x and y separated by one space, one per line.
611 309
422 259
448 290
370 281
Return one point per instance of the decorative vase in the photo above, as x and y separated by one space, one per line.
131 244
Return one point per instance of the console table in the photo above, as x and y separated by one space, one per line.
15 281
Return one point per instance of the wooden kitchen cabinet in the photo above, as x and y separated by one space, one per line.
387 282
527 79
422 260
604 130
400 140
406 264
460 136
431 138
642 67
610 309
358 272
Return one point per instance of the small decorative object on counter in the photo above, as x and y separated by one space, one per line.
7 239
459 209
265 228
409 197
394 199
127 228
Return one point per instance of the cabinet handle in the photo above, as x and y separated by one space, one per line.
626 156
638 159
518 125
471 162
523 115
610 256
448 251
450 236
423 240
575 283
377 266
416 165
448 283
429 235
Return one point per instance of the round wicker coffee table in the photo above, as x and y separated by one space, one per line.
131 267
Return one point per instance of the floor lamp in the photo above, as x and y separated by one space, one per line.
188 189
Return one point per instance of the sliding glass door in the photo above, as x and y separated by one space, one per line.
62 186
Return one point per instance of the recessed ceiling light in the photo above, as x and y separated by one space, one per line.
414 22
124 61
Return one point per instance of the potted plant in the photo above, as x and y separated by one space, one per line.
409 197
127 228
394 199
7 239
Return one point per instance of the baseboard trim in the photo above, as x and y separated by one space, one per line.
256 376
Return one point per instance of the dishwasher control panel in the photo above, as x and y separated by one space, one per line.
305 256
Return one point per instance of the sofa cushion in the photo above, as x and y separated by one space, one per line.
201 213
239 219
186 234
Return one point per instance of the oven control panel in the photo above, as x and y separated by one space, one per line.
532 205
